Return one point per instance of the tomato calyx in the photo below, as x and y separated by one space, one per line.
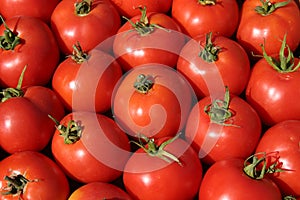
143 83
15 184
268 7
143 26
83 8
289 197
152 149
9 40
210 51
207 2
71 133
78 55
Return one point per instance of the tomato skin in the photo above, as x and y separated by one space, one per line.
226 179
272 93
196 19
283 138
36 39
147 177
70 28
255 29
48 181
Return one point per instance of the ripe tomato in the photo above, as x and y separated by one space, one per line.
283 138
90 147
33 45
153 100
84 25
97 191
225 179
148 38
270 27
197 17
148 175
223 128
205 58
31 175
85 81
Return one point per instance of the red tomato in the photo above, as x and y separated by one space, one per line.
198 17
97 191
37 49
90 147
206 58
31 175
85 81
149 176
283 138
153 100
255 29
225 179
92 23
148 38
222 129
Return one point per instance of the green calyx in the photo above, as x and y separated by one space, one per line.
78 55
207 2
15 184
268 7
9 40
143 83
83 7
210 51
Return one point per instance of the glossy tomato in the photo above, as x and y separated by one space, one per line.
148 38
31 175
85 80
197 17
84 21
32 44
207 58
90 147
266 22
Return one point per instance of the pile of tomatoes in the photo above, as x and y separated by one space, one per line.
149 99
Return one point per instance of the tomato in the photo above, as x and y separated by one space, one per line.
226 179
90 147
31 175
130 8
31 44
283 138
169 169
84 25
270 26
99 190
148 38
205 58
85 81
273 87
223 128
41 9
153 100
197 17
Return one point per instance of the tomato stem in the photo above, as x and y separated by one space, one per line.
210 51
9 40
289 197
78 55
15 184
143 83
83 8
207 2
269 7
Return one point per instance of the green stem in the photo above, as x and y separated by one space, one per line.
207 2
210 51
78 55
143 83
268 7
9 40
15 184
83 7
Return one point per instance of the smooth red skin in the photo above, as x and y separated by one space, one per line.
232 65
147 177
78 162
255 29
51 182
130 8
133 50
195 19
41 9
284 138
24 121
99 190
102 22
272 94
226 179
233 142
95 81
38 51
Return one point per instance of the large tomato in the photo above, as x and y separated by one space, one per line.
265 21
31 175
198 17
90 147
85 21
27 41
204 59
